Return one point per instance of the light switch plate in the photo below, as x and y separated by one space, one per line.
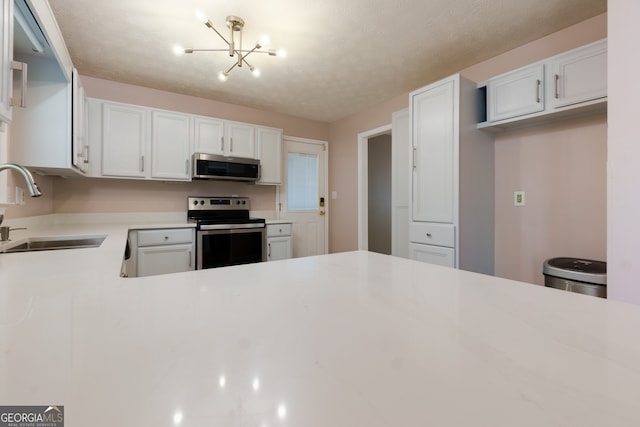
518 198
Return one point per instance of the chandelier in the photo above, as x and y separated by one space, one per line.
234 49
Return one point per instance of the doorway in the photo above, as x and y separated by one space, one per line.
398 162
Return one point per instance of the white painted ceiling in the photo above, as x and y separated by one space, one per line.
343 55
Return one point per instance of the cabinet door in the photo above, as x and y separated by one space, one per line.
239 140
516 94
6 58
434 140
269 151
208 136
124 140
79 144
433 254
170 145
580 75
165 259
279 248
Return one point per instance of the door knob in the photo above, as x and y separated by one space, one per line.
321 212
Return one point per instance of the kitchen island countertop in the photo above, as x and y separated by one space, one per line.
341 340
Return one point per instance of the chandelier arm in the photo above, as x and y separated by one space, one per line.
210 25
235 64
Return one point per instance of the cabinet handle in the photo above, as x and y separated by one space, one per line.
413 159
186 169
555 83
538 83
222 143
190 259
22 102
231 145
86 154
268 250
141 163
429 235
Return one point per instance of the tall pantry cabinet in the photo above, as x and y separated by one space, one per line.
452 198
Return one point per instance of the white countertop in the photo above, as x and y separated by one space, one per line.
344 340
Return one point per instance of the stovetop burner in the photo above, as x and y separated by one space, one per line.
220 210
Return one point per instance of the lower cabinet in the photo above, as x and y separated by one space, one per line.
161 251
279 241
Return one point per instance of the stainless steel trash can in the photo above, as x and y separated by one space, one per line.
583 276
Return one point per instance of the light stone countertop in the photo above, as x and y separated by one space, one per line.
343 340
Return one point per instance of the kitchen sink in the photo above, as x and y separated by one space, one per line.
56 242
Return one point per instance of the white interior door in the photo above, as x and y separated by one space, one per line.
303 195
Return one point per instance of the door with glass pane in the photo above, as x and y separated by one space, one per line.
303 195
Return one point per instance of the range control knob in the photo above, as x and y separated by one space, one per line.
202 202
195 203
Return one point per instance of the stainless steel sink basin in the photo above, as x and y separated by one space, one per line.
55 243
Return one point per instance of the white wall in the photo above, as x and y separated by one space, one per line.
623 204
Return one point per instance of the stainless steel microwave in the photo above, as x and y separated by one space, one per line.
211 166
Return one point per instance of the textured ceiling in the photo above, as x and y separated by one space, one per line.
343 55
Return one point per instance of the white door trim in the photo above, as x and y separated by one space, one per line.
325 150
363 183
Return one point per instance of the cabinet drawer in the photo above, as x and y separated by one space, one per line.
274 230
433 254
169 236
433 234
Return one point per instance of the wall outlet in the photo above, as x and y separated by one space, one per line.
20 196
518 198
334 195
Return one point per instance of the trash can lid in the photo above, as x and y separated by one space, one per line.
582 270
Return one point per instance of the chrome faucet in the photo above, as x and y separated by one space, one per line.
34 191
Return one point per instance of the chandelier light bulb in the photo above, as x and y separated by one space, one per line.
264 40
255 71
201 17
222 76
178 50
281 53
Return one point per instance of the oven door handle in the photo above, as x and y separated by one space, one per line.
231 226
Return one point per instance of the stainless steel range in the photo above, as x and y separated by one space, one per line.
225 233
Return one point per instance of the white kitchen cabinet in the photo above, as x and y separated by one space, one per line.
240 137
208 135
269 152
516 93
124 140
223 137
279 241
452 200
6 59
433 254
563 86
47 133
161 251
580 75
79 140
170 146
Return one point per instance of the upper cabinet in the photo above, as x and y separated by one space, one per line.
269 151
170 146
6 59
125 138
580 75
516 94
564 85
223 137
47 134
133 141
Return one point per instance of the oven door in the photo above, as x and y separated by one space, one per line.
224 245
